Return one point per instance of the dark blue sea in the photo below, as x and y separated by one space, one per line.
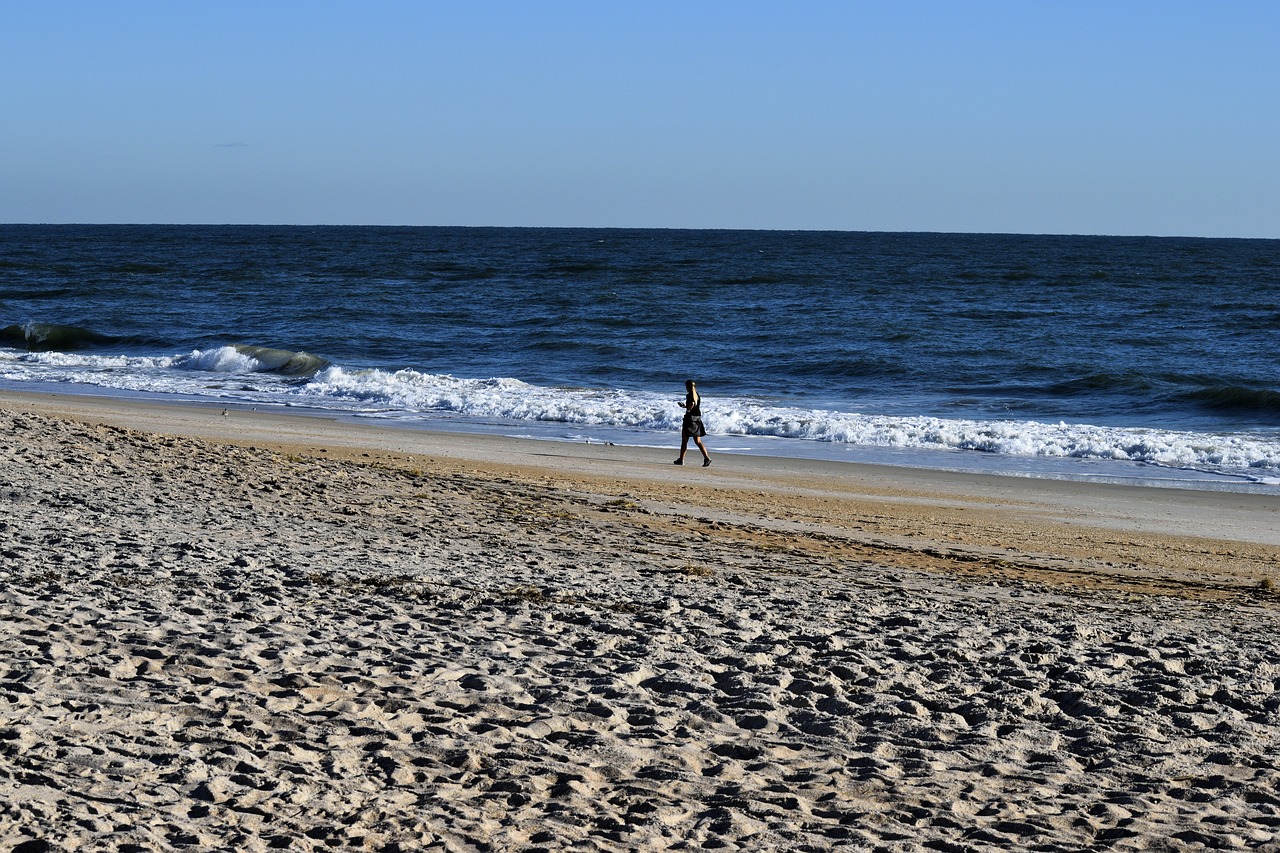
1151 360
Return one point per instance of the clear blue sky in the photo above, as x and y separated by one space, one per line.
1038 116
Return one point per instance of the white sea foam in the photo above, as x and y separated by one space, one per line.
142 371
503 398
237 373
514 400
219 360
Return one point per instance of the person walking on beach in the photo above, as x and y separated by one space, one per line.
692 426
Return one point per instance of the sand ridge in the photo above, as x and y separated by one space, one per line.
314 644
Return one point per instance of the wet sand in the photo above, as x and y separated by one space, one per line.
254 631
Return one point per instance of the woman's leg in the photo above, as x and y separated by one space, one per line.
701 446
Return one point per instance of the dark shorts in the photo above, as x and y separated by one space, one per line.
693 427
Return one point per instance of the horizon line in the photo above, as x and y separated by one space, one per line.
625 228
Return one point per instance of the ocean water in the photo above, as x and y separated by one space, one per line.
1149 360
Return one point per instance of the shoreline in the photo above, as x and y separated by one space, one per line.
260 631
1252 517
966 454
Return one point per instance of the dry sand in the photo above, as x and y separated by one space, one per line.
253 632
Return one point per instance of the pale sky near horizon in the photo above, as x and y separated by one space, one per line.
1127 117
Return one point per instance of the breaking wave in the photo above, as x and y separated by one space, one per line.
48 337
264 375
510 399
244 358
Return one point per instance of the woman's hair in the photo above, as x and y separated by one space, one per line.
692 388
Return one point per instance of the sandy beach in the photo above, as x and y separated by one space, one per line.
251 631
